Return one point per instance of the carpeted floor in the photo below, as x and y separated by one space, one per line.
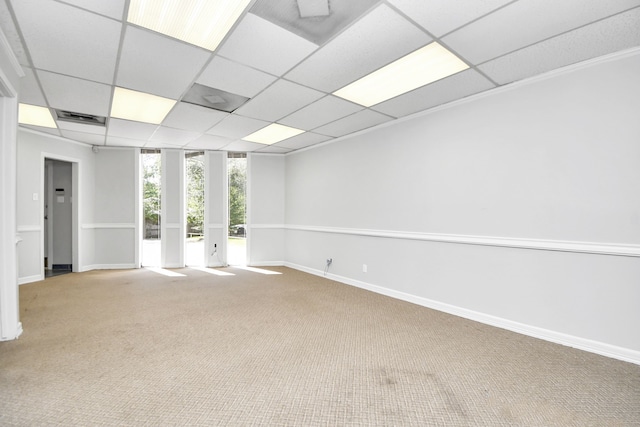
138 348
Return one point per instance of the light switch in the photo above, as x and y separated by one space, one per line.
35 197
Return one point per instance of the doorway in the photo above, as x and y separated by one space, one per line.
58 217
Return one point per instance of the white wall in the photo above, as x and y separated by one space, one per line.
33 148
10 73
216 209
173 227
116 182
265 208
443 208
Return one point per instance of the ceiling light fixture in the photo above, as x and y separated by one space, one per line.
273 133
421 67
35 115
203 23
139 106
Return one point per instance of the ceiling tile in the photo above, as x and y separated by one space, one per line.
51 131
77 95
160 144
209 142
235 78
274 150
30 92
279 100
192 117
157 64
609 35
236 127
116 141
287 14
174 137
129 129
446 90
358 121
260 44
321 112
525 22
112 8
243 146
441 16
359 50
81 127
55 35
10 31
87 138
303 140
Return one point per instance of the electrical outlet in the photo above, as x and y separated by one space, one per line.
364 268
329 261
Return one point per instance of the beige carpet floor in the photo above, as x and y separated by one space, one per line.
136 348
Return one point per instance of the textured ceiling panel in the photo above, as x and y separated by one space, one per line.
127 129
192 117
115 141
274 150
243 146
455 87
316 29
265 46
526 22
613 34
159 65
174 137
303 140
30 92
441 16
279 100
77 95
57 39
80 127
359 50
358 121
112 8
236 78
87 138
209 142
236 127
321 112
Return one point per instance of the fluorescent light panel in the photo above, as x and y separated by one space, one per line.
140 106
35 115
273 133
203 23
421 67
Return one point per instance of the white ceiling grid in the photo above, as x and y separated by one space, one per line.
75 52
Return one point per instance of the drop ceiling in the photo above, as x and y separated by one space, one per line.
75 53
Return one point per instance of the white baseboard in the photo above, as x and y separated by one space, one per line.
30 279
267 264
18 333
591 346
107 267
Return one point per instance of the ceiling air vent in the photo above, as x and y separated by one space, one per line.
213 98
85 119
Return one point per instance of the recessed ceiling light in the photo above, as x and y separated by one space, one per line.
35 115
139 106
426 65
202 23
272 134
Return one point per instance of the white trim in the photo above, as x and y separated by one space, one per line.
29 228
267 264
617 249
5 47
54 136
107 267
30 279
591 346
267 226
490 92
109 226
